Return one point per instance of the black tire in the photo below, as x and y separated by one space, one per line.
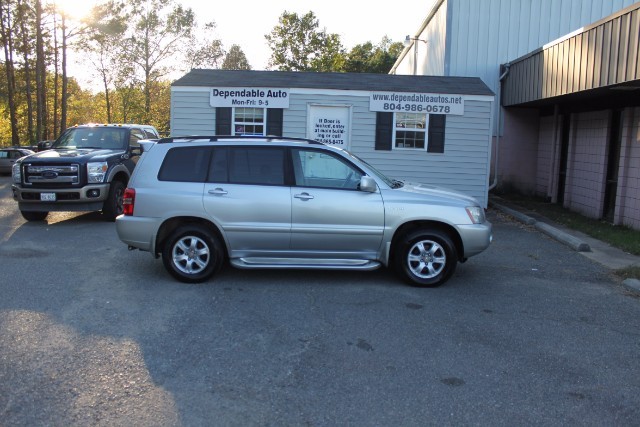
34 216
426 258
113 205
192 254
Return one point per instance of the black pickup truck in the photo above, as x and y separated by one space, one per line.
86 169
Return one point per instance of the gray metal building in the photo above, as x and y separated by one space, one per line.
435 130
567 127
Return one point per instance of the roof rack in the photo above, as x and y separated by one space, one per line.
216 138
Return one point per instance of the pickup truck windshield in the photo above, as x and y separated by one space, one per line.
106 138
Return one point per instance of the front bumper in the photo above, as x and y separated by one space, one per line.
87 198
475 238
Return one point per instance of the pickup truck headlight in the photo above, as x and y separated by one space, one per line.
16 172
476 214
96 171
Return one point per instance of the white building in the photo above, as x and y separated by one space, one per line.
435 130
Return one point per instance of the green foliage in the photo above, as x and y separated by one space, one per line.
130 47
367 58
297 44
235 59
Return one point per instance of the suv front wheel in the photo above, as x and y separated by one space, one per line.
192 254
426 258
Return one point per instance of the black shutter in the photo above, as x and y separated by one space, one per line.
274 121
436 133
223 121
384 131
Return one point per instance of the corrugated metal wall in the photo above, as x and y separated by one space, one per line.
604 54
487 33
431 55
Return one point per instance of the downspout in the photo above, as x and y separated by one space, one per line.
493 185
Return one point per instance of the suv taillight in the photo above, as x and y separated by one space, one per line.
128 201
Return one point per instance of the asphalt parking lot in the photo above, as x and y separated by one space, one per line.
529 332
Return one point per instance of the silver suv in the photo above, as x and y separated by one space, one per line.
264 202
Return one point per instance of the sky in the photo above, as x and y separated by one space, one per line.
246 22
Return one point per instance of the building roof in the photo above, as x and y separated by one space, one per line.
336 81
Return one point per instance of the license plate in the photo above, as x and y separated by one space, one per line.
48 197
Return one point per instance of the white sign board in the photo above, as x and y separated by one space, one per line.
330 124
255 97
404 102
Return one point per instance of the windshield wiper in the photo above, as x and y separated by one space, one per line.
396 183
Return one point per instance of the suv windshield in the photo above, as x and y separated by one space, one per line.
393 183
108 138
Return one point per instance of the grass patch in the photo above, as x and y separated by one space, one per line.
621 237
628 273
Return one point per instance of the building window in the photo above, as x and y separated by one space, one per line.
249 121
410 130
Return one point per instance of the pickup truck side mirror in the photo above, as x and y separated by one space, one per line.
368 184
136 151
44 145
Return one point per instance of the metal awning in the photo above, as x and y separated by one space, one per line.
598 64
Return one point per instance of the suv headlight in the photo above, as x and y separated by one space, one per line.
96 171
476 214
16 172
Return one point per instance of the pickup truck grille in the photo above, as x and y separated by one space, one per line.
51 176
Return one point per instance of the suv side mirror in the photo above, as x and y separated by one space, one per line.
368 184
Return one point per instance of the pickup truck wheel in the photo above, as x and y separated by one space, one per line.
426 258
192 254
113 205
34 216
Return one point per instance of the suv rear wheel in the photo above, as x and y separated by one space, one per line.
192 254
426 258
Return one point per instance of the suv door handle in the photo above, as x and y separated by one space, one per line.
303 196
218 192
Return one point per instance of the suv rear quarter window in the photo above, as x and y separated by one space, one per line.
185 164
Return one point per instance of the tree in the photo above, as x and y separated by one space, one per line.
367 58
204 51
105 30
41 75
6 33
160 31
25 16
235 59
297 44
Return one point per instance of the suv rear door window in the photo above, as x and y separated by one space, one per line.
256 165
219 168
185 164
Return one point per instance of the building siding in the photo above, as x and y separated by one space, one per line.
603 54
513 29
431 56
191 113
464 166
584 190
628 196
545 156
